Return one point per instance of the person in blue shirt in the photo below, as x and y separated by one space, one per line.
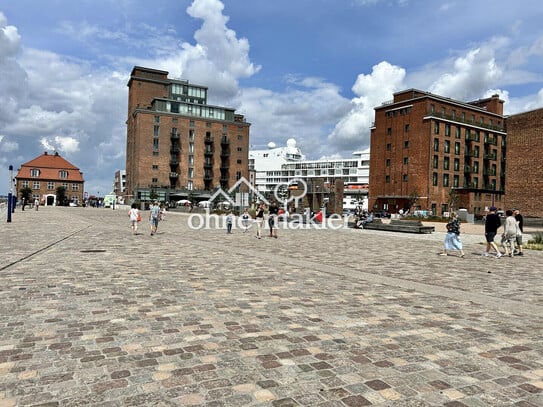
154 213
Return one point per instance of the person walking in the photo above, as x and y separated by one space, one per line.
520 222
259 220
273 219
154 213
452 238
492 224
135 217
229 221
510 231
245 218
162 213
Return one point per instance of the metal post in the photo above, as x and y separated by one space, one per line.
10 193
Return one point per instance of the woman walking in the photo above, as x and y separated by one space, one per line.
259 220
135 217
510 232
452 239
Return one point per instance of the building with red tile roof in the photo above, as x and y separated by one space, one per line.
45 174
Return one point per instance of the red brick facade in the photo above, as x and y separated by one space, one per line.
177 144
436 154
44 174
524 173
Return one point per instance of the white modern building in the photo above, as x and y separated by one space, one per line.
119 184
282 165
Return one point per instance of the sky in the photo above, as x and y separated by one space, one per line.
312 70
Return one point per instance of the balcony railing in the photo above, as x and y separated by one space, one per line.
469 169
464 121
174 175
470 185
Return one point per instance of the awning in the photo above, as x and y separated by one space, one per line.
178 195
202 195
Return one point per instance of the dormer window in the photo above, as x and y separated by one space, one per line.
34 172
63 174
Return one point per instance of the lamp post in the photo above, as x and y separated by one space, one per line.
10 193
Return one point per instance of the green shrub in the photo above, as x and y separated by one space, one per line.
537 238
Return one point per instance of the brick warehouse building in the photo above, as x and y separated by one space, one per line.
44 174
177 145
524 172
437 154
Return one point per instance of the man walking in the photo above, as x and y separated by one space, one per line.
520 222
273 218
492 224
154 213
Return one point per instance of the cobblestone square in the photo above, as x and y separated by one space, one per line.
92 315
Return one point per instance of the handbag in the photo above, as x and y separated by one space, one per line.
139 217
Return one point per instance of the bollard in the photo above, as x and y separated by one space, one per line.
10 200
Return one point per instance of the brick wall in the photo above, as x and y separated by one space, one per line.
229 145
403 153
524 172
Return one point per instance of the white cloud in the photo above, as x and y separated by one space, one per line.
353 130
12 76
60 144
7 146
46 144
9 39
305 111
472 75
218 59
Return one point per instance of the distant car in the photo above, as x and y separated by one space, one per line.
381 214
73 204
204 204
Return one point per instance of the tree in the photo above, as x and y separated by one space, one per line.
26 193
62 199
153 196
413 199
453 199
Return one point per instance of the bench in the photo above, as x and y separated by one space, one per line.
398 225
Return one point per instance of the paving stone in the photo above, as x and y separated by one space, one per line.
94 316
